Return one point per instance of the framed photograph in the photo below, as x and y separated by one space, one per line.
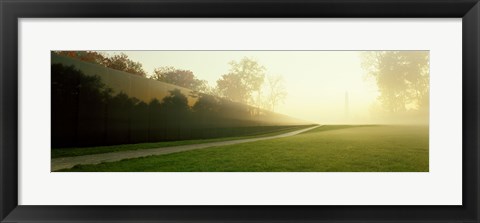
228 111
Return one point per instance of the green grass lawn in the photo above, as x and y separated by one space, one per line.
324 149
68 152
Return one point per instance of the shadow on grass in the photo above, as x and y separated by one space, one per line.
264 131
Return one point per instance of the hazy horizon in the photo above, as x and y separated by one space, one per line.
373 107
317 82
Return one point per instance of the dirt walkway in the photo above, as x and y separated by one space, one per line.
69 162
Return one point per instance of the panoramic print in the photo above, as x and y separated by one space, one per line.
240 111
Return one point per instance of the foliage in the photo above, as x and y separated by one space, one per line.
87 56
244 78
123 63
243 83
402 78
182 78
175 102
118 62
85 112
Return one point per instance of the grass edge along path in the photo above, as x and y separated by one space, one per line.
69 162
81 151
373 148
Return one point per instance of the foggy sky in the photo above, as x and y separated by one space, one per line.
316 81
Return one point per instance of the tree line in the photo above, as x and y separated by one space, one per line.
246 81
86 112
402 79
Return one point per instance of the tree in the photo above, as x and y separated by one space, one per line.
87 56
207 104
243 80
118 62
123 63
206 111
276 91
79 105
182 78
175 102
176 114
402 78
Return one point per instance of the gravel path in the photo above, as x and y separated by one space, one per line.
69 162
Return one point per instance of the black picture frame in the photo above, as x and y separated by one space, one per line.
11 11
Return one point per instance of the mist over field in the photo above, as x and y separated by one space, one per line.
273 111
326 87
